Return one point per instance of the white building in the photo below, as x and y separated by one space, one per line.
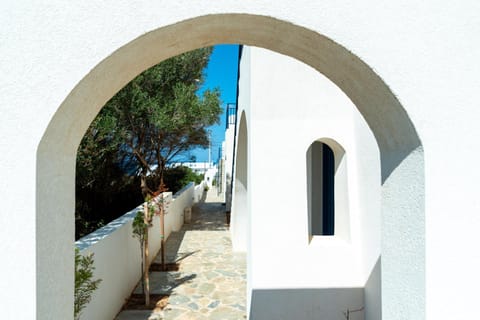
228 154
327 270
198 167
208 169
405 243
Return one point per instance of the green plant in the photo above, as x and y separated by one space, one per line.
140 229
157 117
178 177
84 285
140 225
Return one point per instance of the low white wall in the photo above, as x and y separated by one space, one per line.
117 253
199 189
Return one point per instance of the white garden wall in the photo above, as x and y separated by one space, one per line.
117 253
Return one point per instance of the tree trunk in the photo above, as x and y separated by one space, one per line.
159 171
162 189
145 257
162 232
146 191
142 243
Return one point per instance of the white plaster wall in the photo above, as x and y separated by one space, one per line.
243 114
210 175
285 120
239 221
117 259
303 304
280 243
228 153
199 190
366 199
240 213
117 254
424 51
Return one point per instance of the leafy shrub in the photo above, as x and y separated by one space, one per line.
84 285
178 177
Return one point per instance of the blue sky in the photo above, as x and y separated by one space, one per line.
221 72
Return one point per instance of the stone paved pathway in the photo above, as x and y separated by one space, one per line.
211 281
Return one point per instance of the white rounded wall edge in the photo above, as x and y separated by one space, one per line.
239 219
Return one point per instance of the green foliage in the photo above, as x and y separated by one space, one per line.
103 191
140 230
99 204
84 285
159 115
156 117
139 226
178 177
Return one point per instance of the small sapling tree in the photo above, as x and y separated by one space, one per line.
140 225
84 284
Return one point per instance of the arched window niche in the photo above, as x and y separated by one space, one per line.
327 187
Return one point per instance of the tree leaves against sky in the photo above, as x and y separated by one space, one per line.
153 119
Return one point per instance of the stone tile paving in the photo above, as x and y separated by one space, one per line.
211 281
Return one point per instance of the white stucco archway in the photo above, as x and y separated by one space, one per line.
403 293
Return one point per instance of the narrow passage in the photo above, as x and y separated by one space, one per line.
211 280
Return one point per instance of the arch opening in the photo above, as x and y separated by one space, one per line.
239 222
399 145
327 190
